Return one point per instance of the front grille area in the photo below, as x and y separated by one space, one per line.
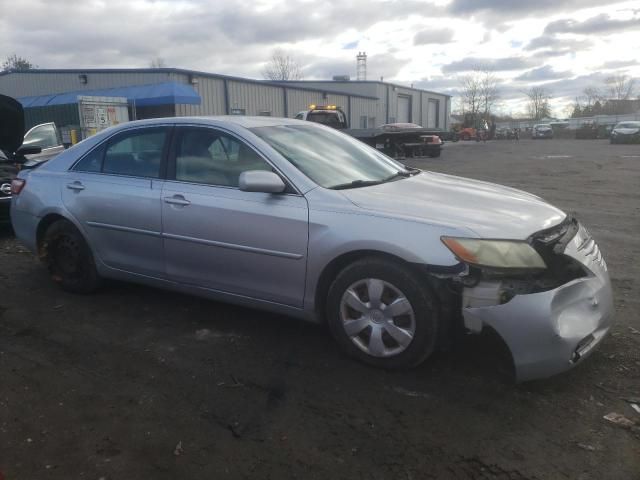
5 190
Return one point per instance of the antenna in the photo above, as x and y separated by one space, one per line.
361 68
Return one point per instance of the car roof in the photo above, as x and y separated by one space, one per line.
241 120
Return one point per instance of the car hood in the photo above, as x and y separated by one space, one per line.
489 210
11 124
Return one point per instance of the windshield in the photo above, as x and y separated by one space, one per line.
329 158
628 125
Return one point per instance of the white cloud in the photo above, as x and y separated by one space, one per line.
425 42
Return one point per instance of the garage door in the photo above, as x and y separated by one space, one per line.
404 109
432 113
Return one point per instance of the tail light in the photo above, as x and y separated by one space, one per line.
17 184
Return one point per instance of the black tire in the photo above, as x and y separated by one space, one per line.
422 300
68 258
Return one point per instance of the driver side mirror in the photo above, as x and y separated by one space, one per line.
28 150
261 181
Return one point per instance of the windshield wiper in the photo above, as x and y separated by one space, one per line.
356 184
367 183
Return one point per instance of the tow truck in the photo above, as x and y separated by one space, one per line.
398 140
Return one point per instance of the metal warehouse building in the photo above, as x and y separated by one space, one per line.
160 92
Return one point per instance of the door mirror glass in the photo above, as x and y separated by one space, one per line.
29 150
261 181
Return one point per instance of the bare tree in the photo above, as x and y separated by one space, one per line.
157 62
14 63
489 94
282 67
538 105
592 95
620 87
479 93
470 94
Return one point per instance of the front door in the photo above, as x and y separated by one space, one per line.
114 193
216 236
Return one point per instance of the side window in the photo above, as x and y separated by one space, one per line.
208 156
136 154
44 136
299 116
92 162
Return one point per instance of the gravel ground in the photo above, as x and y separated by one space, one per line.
136 383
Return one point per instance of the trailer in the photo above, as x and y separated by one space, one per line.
397 140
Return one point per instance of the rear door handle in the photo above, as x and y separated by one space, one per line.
177 200
75 186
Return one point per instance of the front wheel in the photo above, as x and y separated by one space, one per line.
69 259
382 314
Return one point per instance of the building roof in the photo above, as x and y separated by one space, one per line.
184 72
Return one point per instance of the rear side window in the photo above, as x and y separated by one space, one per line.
92 162
135 154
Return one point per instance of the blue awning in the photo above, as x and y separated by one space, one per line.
167 93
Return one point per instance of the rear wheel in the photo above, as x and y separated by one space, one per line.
381 314
69 259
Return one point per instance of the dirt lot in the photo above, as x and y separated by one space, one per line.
135 383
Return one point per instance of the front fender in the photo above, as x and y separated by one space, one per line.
333 234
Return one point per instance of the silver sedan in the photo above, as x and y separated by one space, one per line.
300 219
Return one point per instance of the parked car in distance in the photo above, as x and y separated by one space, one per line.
542 130
301 219
504 133
625 132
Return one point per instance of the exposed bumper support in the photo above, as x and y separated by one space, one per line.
552 331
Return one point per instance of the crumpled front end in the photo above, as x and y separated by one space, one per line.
548 328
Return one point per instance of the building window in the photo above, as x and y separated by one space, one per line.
363 121
264 113
372 122
238 111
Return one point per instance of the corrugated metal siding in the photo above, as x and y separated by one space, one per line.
211 91
298 100
367 89
362 107
29 84
255 98
61 115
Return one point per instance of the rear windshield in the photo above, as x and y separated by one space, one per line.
333 119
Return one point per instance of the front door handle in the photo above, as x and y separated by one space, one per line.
177 200
75 186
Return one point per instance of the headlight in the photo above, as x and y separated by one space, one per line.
495 253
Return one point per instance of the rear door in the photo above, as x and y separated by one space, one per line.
217 236
114 192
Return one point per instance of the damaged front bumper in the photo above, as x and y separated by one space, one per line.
551 331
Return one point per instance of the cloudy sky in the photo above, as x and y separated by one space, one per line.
565 45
